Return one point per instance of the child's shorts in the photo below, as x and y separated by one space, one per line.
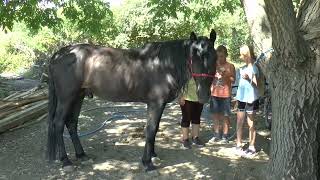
250 108
220 105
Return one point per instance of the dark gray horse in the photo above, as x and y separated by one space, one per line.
153 74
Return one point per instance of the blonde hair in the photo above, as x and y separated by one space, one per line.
247 51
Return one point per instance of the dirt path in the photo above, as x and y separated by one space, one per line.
116 150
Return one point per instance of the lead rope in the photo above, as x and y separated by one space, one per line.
115 116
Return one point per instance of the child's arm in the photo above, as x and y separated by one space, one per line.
254 81
232 74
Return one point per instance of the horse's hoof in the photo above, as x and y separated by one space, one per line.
149 167
154 154
67 165
85 160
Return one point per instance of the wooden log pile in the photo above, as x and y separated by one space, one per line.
23 108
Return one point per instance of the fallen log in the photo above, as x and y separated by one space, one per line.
41 118
39 93
17 103
37 109
14 107
10 96
25 93
23 108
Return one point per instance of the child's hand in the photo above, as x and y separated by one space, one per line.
218 75
245 76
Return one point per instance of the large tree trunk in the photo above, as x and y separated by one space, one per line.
294 74
295 126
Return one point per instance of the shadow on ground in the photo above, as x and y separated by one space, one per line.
116 150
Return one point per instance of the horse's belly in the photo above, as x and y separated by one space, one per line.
135 88
117 91
118 97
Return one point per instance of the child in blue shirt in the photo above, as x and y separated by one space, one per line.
248 99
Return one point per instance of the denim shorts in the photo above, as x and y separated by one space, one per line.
220 105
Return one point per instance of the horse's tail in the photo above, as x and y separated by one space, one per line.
52 140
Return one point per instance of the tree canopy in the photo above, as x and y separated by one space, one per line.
132 24
31 30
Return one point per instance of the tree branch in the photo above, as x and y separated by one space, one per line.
287 42
259 28
309 15
259 24
301 7
313 32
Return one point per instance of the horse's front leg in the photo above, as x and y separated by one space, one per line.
155 111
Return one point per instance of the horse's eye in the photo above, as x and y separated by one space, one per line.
203 45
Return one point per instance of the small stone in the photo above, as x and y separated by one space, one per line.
233 165
153 173
68 168
88 162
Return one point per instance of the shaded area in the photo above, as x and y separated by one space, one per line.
116 150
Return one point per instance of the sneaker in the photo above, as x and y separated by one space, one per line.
249 153
224 140
214 139
239 151
186 144
196 141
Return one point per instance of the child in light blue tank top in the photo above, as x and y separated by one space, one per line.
247 91
248 100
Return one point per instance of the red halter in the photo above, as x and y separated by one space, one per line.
199 74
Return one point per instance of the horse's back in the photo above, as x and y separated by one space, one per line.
120 74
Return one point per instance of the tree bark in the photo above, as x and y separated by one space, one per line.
294 75
295 127
260 30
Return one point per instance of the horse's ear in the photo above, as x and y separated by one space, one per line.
193 36
213 35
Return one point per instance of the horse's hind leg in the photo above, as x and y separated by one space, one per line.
59 122
72 125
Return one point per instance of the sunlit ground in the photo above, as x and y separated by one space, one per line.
116 150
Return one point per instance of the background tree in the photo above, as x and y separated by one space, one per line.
48 25
295 80
292 28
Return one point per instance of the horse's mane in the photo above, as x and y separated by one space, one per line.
174 53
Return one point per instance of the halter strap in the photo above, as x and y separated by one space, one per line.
198 74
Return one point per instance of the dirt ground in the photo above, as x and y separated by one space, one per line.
116 150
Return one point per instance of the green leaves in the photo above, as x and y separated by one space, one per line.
225 16
132 24
33 13
203 11
91 16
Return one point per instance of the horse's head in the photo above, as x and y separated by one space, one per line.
203 63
